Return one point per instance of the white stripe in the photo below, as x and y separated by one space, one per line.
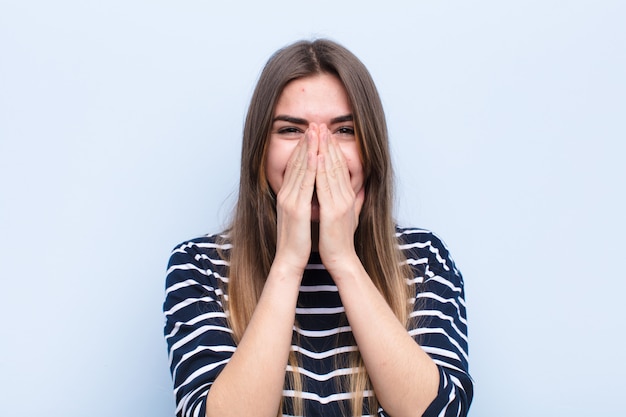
452 301
184 402
199 372
196 411
419 261
187 267
428 244
188 301
322 333
323 400
213 261
450 399
416 280
218 348
191 336
444 364
192 267
195 320
457 382
325 354
187 283
422 331
320 310
413 231
437 313
209 245
318 288
441 352
428 232
206 245
444 282
325 377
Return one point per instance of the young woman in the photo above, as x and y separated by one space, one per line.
313 302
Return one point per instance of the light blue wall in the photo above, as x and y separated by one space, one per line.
120 128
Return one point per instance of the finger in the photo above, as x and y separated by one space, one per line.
312 134
324 136
321 179
339 170
341 159
294 169
307 185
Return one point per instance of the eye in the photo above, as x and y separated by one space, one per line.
345 131
289 131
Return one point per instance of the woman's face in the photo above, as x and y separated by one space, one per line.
320 99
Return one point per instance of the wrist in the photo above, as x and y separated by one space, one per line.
283 269
343 268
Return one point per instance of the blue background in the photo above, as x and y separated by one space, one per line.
120 127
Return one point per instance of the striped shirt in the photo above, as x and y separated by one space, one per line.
200 343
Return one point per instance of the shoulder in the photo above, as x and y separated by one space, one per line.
426 251
210 248
202 259
421 240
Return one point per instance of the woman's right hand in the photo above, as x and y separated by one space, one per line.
293 203
264 347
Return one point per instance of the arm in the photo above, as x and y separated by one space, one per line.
211 376
434 370
365 307
252 381
389 353
424 382
201 346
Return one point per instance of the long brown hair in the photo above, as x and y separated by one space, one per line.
252 232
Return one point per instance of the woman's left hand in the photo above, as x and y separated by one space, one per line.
340 204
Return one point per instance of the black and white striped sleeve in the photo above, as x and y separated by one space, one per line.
198 338
440 320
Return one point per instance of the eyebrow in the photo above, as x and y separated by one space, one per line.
290 119
300 121
341 119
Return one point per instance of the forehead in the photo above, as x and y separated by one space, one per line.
314 96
